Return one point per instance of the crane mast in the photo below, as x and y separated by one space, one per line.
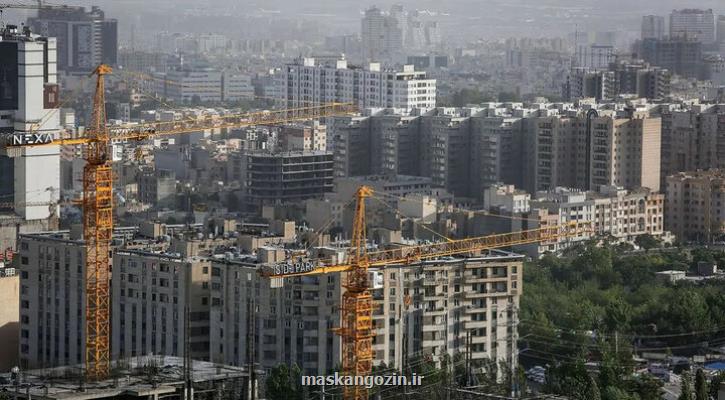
356 326
97 234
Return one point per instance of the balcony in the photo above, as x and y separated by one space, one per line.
434 328
475 324
433 342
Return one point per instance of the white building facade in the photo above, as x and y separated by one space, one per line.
29 176
306 82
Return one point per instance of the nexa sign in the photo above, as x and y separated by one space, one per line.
27 139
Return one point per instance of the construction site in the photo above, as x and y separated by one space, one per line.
144 377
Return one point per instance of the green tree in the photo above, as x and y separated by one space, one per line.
715 384
505 97
617 316
646 242
592 392
647 387
284 384
701 392
615 393
686 387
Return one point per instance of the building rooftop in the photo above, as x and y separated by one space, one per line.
138 377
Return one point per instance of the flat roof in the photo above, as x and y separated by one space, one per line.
63 383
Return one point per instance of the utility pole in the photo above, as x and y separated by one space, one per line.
404 371
468 358
250 346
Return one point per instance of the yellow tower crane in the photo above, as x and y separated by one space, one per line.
98 194
356 328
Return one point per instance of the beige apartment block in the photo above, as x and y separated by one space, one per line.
695 207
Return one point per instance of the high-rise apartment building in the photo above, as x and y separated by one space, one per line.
622 78
653 27
695 208
594 56
30 176
693 24
584 83
382 36
52 305
461 150
281 177
680 55
85 38
641 79
692 139
592 151
203 85
307 82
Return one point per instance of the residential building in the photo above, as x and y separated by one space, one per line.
201 85
461 150
188 85
610 211
594 56
29 176
307 82
693 24
281 177
85 38
507 197
382 36
680 55
52 308
641 79
151 293
299 137
592 151
52 271
9 319
157 187
237 86
695 207
693 138
653 27
449 299
584 83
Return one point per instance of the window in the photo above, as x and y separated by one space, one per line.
205 270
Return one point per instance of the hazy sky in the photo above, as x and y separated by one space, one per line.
464 18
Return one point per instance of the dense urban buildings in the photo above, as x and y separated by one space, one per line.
536 148
233 310
236 236
85 38
308 81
